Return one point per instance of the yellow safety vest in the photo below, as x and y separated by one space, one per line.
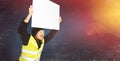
31 52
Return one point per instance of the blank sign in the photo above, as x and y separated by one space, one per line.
46 14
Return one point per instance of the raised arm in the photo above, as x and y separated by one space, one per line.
26 20
51 34
23 25
22 29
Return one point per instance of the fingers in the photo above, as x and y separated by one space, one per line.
60 19
30 9
31 6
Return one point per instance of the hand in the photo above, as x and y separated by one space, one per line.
60 19
26 20
30 10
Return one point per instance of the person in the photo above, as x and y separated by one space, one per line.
33 44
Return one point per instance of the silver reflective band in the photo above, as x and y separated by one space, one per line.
31 52
30 59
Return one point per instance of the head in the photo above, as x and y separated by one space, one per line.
38 33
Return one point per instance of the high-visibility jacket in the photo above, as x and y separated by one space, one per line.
31 52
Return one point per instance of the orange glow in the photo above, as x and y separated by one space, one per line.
97 28
107 13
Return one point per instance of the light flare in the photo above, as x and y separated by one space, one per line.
107 13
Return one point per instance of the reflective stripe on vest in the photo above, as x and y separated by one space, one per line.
29 59
31 52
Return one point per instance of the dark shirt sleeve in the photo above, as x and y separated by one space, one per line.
50 35
22 30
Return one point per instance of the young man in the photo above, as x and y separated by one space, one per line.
32 44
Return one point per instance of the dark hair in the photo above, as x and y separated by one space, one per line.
35 30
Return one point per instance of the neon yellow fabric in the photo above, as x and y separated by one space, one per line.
31 52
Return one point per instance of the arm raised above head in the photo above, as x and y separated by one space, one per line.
22 29
52 33
27 19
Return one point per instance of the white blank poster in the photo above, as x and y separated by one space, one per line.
45 14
